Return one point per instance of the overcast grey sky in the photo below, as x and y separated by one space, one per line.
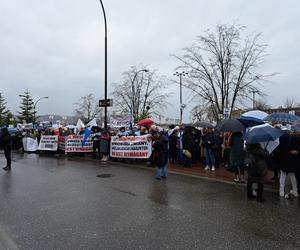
55 48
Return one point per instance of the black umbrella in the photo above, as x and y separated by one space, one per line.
230 125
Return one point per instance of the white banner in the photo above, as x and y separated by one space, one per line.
118 121
130 147
48 143
73 143
30 144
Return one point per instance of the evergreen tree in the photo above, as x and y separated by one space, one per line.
3 111
27 108
10 119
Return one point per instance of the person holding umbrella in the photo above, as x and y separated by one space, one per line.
256 156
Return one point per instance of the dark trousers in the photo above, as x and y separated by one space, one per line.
260 189
7 153
187 161
297 175
96 147
237 168
173 154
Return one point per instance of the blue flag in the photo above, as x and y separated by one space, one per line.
86 134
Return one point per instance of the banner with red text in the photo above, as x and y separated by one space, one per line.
139 147
73 143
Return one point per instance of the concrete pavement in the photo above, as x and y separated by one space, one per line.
58 203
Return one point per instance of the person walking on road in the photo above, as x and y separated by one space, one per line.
6 143
160 155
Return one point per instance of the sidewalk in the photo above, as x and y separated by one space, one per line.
220 174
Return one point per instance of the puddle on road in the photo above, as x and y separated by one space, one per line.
105 175
124 191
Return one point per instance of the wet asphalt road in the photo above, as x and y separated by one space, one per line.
52 203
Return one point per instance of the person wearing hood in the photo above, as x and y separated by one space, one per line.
160 154
6 143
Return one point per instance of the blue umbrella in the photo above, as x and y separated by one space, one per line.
249 121
296 126
262 133
281 117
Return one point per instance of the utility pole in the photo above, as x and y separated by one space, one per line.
253 98
182 106
105 65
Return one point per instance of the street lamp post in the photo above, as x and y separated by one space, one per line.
253 99
105 63
34 106
182 106
133 90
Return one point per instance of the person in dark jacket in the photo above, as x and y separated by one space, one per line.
237 155
210 143
6 143
96 141
104 144
187 144
257 169
160 155
289 162
173 138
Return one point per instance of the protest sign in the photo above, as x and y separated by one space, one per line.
130 147
118 121
73 143
62 142
30 144
48 143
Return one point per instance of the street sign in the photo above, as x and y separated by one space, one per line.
105 103
226 113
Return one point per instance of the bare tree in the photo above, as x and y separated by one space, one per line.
202 113
262 105
87 107
141 92
290 103
223 67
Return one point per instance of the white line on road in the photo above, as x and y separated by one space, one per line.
6 242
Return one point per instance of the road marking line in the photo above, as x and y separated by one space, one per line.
6 242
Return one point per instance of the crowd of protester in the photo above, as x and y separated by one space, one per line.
187 145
